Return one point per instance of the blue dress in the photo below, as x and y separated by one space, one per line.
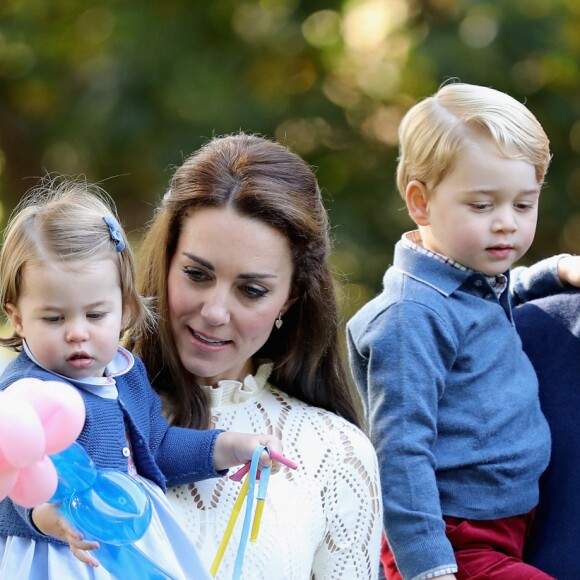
164 543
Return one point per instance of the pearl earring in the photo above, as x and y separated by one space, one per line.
279 322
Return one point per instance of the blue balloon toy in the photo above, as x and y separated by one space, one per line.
107 506
75 469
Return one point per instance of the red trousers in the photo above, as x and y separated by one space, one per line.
484 550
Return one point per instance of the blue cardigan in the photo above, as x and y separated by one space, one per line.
550 331
452 402
163 454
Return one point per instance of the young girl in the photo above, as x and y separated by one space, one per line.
67 287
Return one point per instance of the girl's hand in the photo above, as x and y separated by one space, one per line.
233 449
51 522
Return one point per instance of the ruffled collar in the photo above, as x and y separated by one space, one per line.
231 392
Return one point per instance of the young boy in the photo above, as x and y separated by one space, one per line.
451 397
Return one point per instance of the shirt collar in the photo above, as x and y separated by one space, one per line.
412 240
104 386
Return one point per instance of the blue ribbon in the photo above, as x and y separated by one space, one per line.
115 232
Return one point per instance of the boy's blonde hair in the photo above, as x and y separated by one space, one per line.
433 132
62 220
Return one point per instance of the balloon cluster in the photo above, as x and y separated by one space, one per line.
37 418
40 462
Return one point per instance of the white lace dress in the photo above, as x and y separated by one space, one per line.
322 521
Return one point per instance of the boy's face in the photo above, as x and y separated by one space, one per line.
71 315
484 213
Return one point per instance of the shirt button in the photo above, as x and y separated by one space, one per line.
478 283
126 451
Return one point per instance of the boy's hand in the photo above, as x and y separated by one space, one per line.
233 449
569 270
51 522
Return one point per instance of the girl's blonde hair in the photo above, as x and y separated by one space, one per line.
62 219
432 134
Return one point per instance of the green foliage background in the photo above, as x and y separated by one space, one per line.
123 90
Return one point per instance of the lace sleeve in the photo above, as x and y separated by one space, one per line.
352 504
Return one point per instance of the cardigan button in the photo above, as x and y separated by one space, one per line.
478 283
126 451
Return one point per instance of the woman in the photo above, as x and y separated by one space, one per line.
236 259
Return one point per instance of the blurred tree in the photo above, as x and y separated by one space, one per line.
124 90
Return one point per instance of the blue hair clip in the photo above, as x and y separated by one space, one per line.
115 232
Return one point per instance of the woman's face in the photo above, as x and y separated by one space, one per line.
228 280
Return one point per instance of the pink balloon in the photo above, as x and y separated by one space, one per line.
3 461
37 418
59 406
22 439
8 478
36 484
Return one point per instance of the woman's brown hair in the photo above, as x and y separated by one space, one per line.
262 180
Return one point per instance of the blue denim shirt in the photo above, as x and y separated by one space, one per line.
452 401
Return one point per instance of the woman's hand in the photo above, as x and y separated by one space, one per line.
51 522
233 449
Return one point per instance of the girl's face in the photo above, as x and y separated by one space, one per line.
71 315
228 280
